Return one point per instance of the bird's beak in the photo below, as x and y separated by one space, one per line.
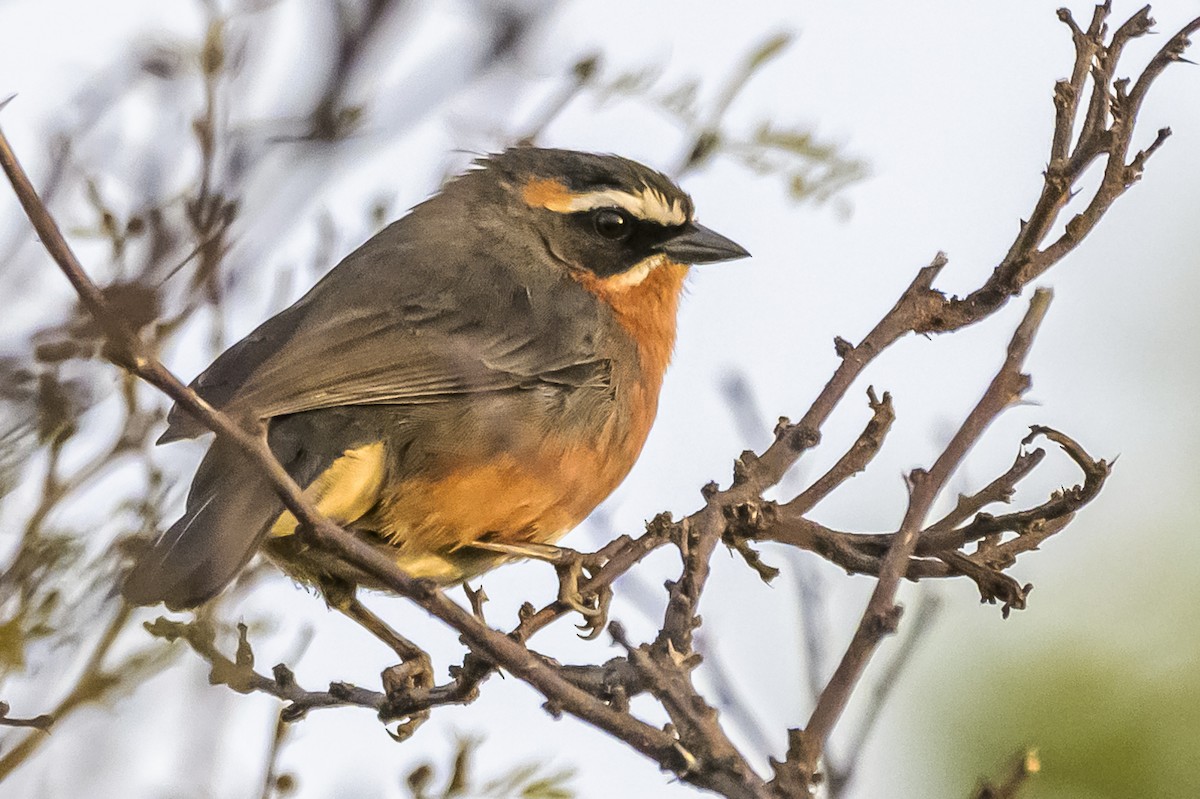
697 244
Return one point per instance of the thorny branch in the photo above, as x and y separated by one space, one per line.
882 614
863 552
694 745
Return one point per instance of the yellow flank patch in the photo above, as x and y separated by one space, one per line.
345 491
645 203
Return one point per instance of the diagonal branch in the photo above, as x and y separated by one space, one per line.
864 448
882 614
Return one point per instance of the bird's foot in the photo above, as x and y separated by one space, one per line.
407 686
572 567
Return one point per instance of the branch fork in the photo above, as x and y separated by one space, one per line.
1088 126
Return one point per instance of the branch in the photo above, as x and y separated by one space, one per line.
882 614
928 608
999 490
862 552
856 459
43 722
238 672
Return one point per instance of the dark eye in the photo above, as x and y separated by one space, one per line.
612 224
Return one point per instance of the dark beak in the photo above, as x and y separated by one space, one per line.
697 244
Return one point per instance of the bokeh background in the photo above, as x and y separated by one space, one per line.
864 138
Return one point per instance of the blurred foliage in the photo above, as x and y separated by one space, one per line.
529 781
811 170
1103 726
1111 704
1011 784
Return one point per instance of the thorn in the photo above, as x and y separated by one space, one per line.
283 676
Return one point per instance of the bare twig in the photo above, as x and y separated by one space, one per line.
999 490
923 619
882 614
856 458
863 552
238 672
43 722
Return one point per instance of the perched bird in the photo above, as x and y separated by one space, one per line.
465 386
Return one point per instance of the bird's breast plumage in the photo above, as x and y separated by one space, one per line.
555 462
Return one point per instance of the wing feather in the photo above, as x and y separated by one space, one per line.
384 327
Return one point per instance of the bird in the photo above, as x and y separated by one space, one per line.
460 391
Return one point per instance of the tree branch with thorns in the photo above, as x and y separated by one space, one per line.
1095 124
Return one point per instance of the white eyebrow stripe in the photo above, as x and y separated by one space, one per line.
648 204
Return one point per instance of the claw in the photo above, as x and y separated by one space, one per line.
594 606
405 685
569 571
570 566
594 624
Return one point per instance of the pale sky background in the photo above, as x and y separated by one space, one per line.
950 105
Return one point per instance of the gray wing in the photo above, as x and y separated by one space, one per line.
393 326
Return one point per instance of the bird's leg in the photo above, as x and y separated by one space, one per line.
571 565
342 596
366 618
407 682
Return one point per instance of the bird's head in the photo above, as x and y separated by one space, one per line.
603 215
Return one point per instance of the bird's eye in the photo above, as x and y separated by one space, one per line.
612 224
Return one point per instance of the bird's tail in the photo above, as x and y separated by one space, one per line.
230 508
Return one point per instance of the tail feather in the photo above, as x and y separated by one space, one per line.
232 505
229 510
